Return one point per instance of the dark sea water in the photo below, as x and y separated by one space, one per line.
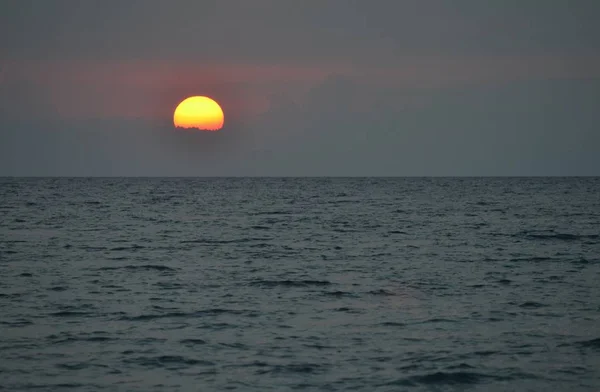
300 284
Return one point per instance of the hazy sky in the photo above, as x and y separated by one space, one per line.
312 87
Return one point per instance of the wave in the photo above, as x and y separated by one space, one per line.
259 227
445 378
123 248
166 360
290 283
531 305
594 343
304 368
347 310
338 294
192 341
276 212
69 313
217 242
17 323
381 292
438 320
54 387
145 267
392 324
532 259
199 313
556 236
74 366
66 338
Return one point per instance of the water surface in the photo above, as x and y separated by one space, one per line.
300 284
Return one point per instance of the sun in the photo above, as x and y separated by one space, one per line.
199 112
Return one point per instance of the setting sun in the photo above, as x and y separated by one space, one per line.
199 112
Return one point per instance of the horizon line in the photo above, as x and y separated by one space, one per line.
295 177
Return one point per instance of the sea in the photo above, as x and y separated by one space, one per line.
300 284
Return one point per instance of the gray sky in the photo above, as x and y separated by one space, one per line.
423 87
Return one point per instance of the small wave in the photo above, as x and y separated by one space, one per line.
558 236
16 323
13 295
261 245
66 338
485 353
54 387
304 368
290 283
200 313
249 364
531 305
237 345
346 309
271 213
75 366
438 320
338 294
337 202
385 254
124 248
574 370
217 326
217 242
381 292
97 339
345 230
581 261
445 378
192 341
69 313
460 366
319 346
146 267
594 343
392 324
166 360
169 285
534 259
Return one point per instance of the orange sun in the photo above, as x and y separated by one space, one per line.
199 112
